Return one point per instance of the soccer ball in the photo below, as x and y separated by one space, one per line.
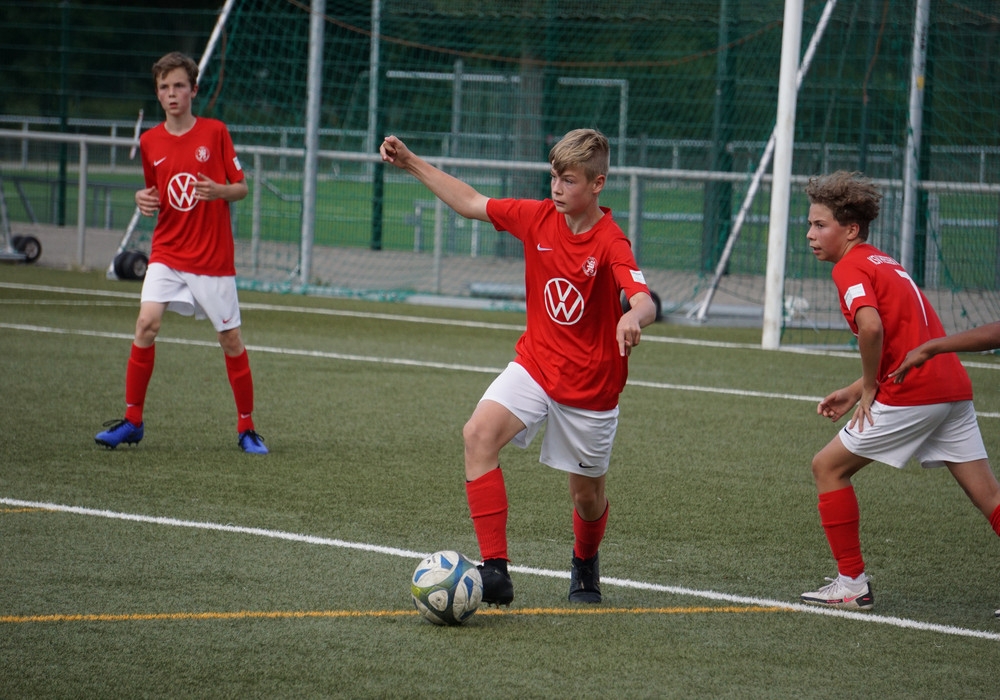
446 588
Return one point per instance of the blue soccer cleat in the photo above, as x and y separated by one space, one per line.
252 443
119 431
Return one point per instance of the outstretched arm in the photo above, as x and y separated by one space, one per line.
979 339
461 197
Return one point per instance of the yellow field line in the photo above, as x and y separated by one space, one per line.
22 510
302 614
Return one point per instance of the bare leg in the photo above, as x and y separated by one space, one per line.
979 483
490 428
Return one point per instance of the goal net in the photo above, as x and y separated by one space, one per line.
686 93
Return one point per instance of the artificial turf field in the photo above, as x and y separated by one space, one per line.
183 568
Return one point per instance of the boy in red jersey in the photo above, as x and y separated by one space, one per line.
571 362
929 416
192 174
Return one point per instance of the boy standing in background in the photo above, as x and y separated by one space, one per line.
192 174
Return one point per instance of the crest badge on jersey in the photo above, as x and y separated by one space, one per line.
590 267
202 154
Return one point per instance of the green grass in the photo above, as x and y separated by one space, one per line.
710 495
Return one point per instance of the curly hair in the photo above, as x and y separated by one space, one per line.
851 197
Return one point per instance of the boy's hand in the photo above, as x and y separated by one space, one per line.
863 411
394 151
642 312
837 404
207 189
628 333
914 358
148 201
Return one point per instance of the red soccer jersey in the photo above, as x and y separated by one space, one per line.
866 276
572 285
191 235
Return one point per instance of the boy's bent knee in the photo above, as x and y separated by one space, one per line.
146 329
478 434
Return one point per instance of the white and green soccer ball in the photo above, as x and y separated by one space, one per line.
446 588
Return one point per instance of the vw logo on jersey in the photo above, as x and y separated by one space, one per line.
180 192
563 301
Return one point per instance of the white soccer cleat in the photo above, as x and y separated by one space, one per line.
838 594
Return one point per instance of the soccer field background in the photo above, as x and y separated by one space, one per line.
183 568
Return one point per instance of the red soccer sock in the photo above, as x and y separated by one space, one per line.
241 380
137 376
588 534
995 520
487 497
839 514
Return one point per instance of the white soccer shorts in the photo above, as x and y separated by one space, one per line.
932 434
201 296
576 440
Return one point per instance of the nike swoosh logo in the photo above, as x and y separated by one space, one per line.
543 250
157 162
587 466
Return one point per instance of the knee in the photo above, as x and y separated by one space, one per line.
474 434
231 342
589 503
829 474
147 327
818 468
588 496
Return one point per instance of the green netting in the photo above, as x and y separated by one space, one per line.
681 89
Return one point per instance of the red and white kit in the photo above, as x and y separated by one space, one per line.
571 288
191 235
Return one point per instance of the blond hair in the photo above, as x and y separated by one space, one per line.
584 148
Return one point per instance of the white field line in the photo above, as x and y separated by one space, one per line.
416 556
134 298
420 363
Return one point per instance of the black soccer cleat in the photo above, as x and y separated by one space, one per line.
585 580
498 589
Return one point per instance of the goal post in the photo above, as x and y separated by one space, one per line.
781 146
789 80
